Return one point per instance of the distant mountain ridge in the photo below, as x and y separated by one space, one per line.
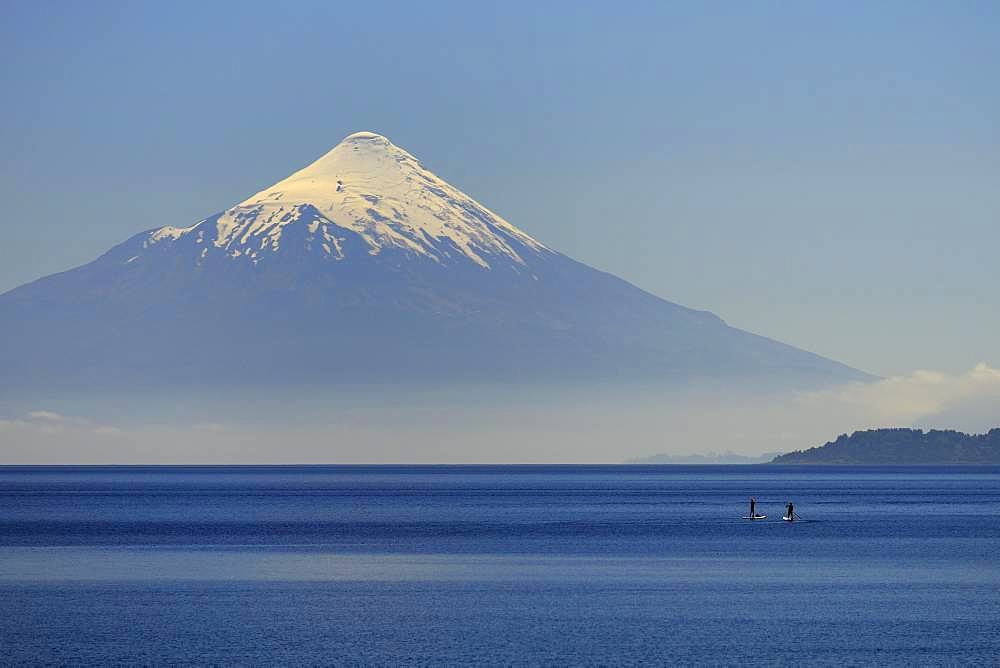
902 447
706 458
363 267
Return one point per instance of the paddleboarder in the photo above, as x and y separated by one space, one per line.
790 511
753 507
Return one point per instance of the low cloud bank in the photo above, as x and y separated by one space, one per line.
968 401
583 424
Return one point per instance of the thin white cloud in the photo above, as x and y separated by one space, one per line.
50 416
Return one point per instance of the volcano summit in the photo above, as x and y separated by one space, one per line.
363 267
365 197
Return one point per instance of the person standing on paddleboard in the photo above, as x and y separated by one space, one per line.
791 511
753 507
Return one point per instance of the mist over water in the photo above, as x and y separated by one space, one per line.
478 423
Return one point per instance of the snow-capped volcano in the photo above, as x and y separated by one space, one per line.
370 189
362 267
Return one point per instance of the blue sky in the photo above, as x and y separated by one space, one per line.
822 173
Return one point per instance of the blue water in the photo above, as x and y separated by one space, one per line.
498 565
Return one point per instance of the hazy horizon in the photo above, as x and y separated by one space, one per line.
597 423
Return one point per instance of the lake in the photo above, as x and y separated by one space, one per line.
498 565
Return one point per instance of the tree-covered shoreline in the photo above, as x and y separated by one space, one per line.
902 447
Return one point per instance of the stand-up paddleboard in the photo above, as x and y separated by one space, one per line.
787 518
755 517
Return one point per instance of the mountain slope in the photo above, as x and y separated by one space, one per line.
363 267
